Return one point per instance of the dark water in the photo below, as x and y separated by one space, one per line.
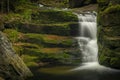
91 72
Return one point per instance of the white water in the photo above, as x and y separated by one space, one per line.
87 39
41 5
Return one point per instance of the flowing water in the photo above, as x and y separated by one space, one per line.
87 39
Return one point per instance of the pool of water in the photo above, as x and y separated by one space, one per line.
86 71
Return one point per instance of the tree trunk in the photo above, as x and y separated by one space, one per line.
2 6
8 4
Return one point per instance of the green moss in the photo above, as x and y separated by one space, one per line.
12 34
58 29
104 60
112 42
29 45
54 16
18 49
20 46
45 21
33 38
112 9
13 17
59 57
115 62
27 15
30 60
110 61
48 40
111 16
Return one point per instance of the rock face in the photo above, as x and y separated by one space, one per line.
78 3
11 65
109 33
46 40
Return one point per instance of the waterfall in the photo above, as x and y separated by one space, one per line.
87 41
87 38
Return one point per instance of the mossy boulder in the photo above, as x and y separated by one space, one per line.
11 65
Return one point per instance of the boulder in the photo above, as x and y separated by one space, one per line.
12 66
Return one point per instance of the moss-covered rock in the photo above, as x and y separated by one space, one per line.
108 33
63 29
47 49
12 34
47 21
54 16
112 14
48 40
115 62
11 65
52 56
57 29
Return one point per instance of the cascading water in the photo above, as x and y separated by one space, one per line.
90 69
87 41
87 37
